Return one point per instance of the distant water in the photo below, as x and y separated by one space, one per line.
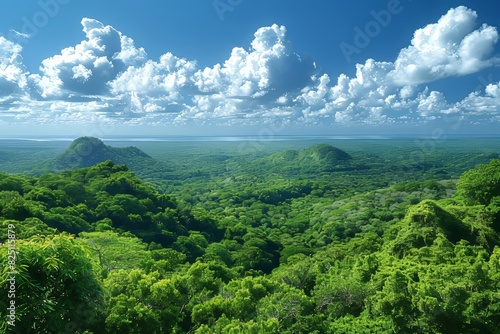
233 138
239 138
37 139
197 138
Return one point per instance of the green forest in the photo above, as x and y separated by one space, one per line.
285 237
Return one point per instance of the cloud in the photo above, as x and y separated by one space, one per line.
269 69
450 47
246 82
432 104
251 81
106 78
390 91
479 104
155 87
87 67
12 71
493 90
20 35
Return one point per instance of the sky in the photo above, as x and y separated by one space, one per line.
229 67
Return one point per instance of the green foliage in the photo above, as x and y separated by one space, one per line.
25 229
88 151
100 197
56 288
480 185
296 240
141 302
317 158
113 251
423 223
12 183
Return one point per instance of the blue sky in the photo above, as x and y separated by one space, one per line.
249 66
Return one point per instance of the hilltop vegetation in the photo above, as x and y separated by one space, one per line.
335 244
317 158
88 151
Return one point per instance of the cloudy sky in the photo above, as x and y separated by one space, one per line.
244 66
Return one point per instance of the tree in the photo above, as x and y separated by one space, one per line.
27 228
57 289
114 251
480 185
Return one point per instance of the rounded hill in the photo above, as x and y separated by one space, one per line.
88 151
324 153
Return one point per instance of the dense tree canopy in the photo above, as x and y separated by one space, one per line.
249 250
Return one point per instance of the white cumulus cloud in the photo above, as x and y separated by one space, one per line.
106 78
450 47
87 67
12 70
